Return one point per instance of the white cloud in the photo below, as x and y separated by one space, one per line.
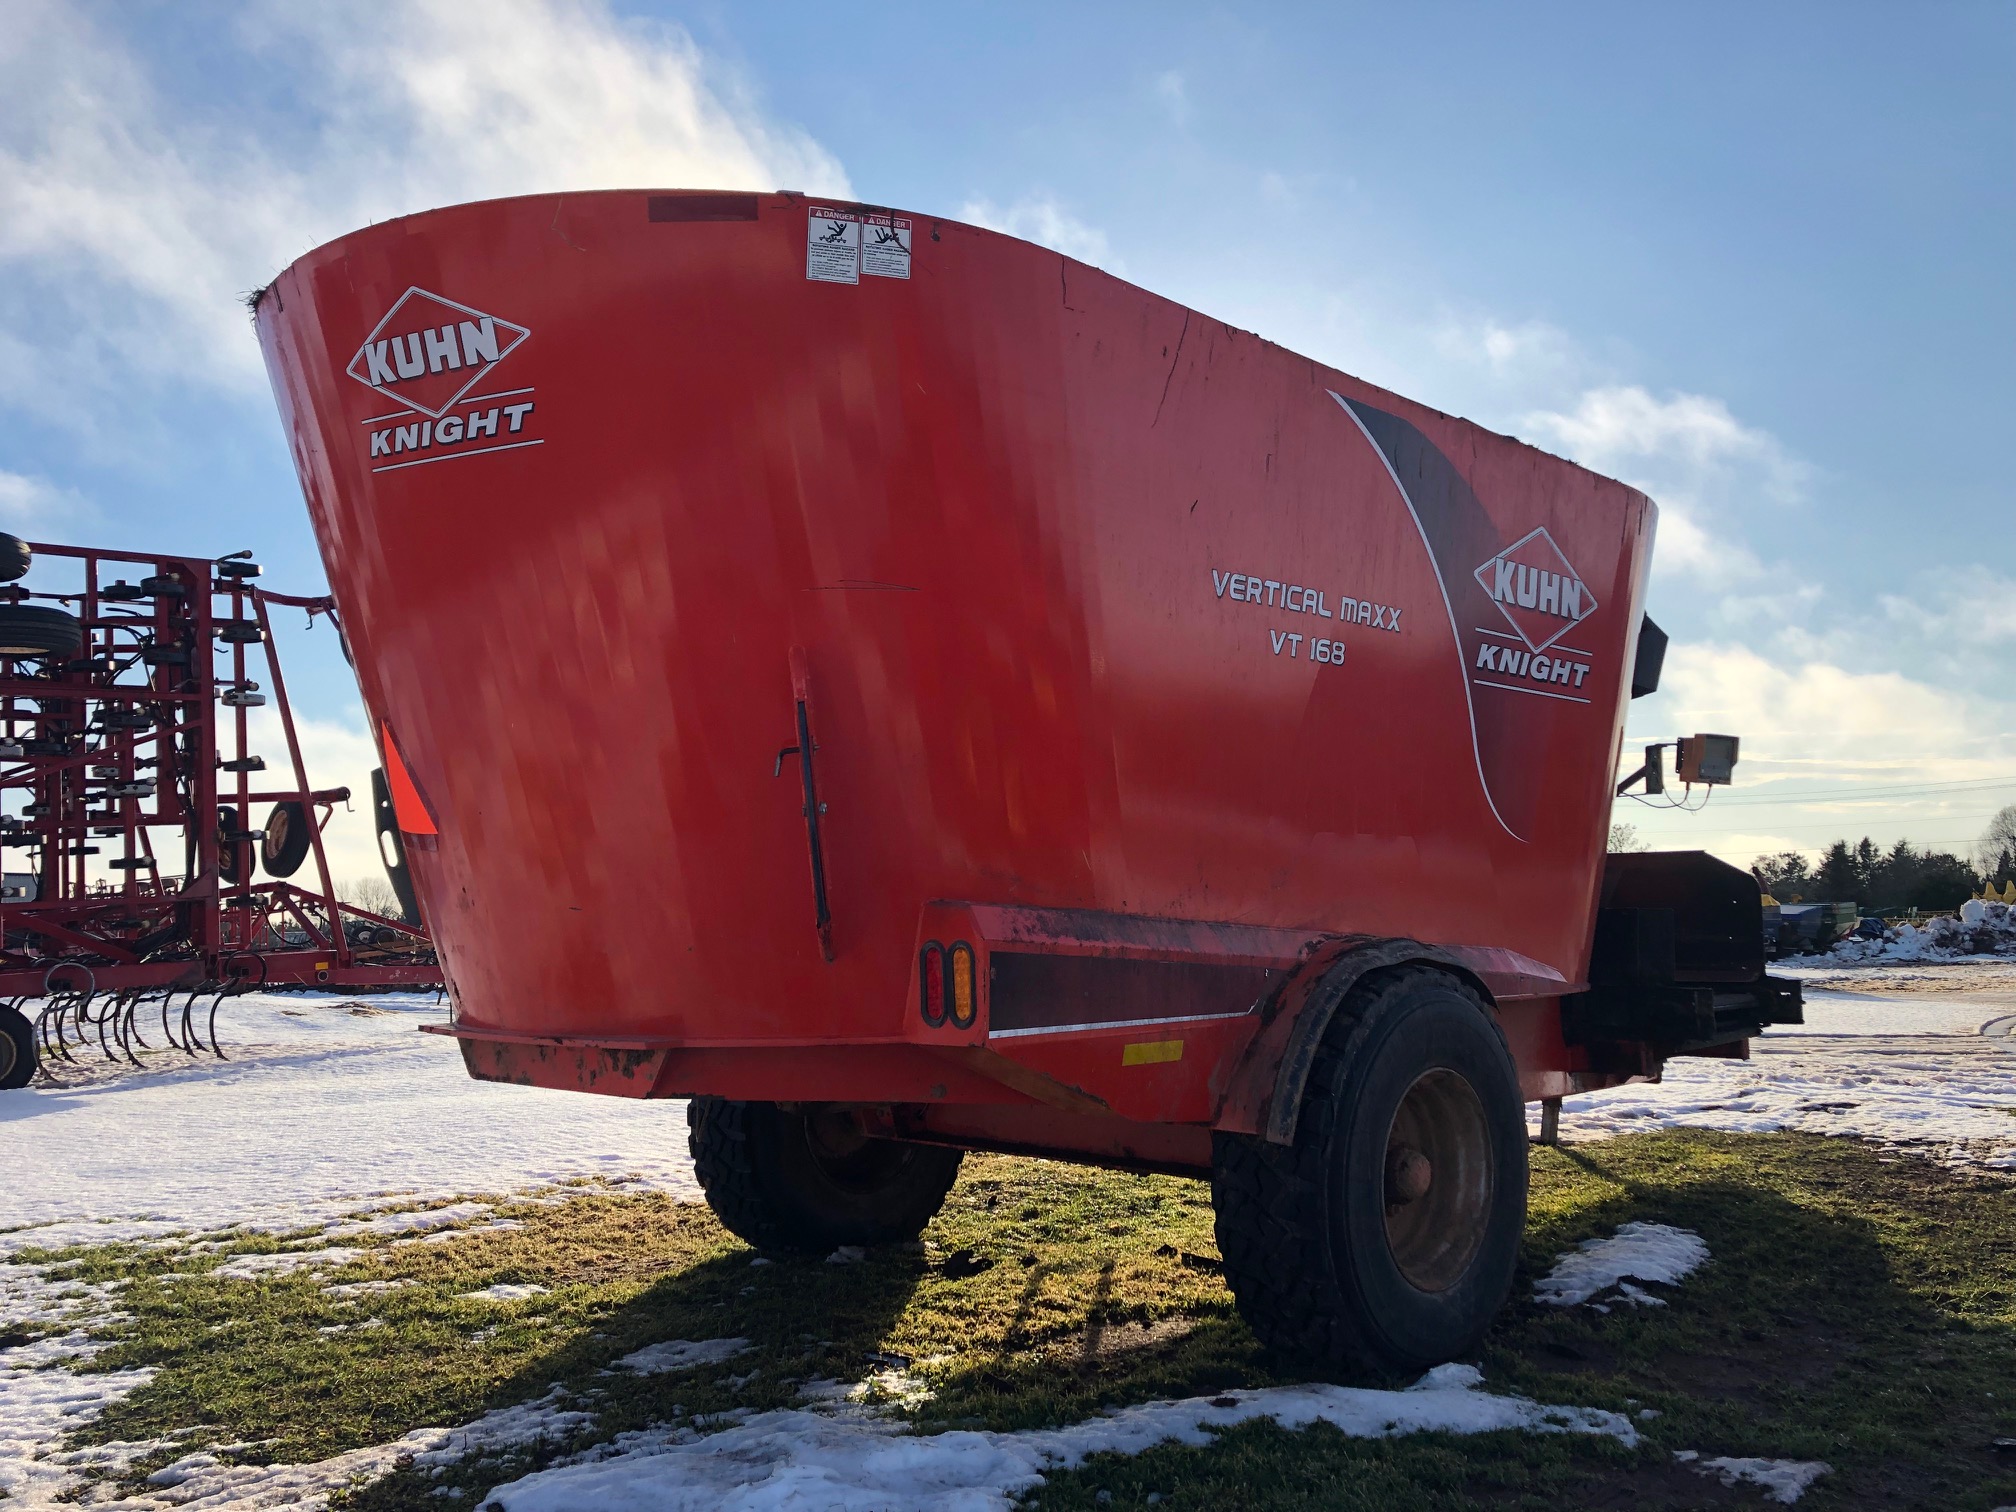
1849 745
133 229
31 504
1864 726
1624 428
1529 353
1174 93
1705 469
1963 609
1040 219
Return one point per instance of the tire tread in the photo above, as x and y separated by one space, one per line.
1270 1221
755 1202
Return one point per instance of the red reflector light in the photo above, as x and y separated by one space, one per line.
963 999
931 976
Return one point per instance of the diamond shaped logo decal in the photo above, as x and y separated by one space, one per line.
429 351
1539 593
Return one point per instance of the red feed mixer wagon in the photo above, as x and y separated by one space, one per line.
910 692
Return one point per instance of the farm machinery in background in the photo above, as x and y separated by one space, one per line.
156 863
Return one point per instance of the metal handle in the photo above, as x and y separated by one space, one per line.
801 697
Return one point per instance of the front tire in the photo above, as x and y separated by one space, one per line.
19 1058
1386 1235
806 1178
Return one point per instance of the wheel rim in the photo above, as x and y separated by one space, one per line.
276 833
846 1156
1438 1180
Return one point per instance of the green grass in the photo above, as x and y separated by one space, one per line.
1859 1309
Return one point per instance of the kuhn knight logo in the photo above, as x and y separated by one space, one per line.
429 351
1521 673
1539 593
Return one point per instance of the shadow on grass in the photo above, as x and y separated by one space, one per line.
804 1321
1856 1310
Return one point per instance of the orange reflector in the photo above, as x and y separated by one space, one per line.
962 985
1151 1053
407 805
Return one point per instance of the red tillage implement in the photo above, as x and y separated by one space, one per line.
131 785
911 692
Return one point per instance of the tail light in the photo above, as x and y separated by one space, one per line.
931 979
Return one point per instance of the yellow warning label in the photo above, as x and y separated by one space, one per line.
1151 1053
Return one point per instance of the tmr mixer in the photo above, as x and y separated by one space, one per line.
908 692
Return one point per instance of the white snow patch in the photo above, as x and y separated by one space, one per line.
41 1399
682 1354
1783 1480
1980 929
286 1262
1645 1251
319 1109
500 1225
505 1291
39 1403
348 1124
1919 1070
28 1295
366 1288
420 1220
863 1463
203 1479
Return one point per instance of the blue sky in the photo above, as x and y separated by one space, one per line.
1753 259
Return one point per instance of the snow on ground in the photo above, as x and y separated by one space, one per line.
338 1119
1927 1066
682 1354
204 1479
286 1262
1783 1480
41 1398
1638 1251
1979 929
1885 978
505 1291
329 1115
858 1461
41 1401
320 1108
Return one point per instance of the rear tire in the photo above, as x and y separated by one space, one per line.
19 1058
1386 1235
806 1179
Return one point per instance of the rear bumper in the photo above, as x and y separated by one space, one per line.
857 1071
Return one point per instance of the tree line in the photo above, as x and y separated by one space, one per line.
1901 877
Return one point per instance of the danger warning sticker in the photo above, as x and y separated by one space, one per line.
885 246
833 246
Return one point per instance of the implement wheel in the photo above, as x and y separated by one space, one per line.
290 830
31 630
1386 1235
806 1178
18 1057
